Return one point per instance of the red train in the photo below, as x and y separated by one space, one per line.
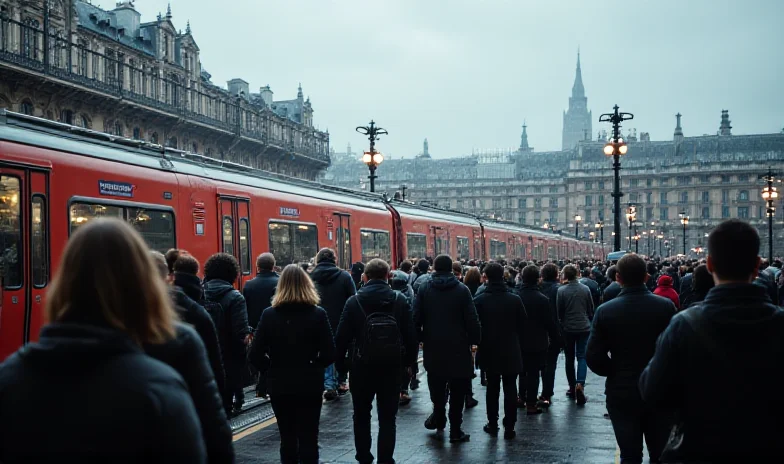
55 178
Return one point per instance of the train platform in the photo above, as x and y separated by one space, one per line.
567 433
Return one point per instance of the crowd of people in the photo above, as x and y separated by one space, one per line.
143 360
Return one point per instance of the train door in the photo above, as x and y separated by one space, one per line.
440 240
24 262
343 239
235 233
477 235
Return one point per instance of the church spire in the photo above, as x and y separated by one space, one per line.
578 91
299 91
678 134
524 139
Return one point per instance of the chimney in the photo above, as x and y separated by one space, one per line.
677 136
266 95
725 128
239 87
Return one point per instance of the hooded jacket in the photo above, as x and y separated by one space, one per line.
191 285
376 296
235 324
334 286
502 317
664 289
739 333
446 320
92 367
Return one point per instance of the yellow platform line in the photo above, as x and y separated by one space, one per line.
255 429
617 455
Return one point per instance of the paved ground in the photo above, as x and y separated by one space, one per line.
566 434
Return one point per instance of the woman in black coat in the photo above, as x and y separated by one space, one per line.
86 391
294 344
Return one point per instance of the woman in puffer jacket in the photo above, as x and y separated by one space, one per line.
664 288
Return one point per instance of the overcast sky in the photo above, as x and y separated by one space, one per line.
467 73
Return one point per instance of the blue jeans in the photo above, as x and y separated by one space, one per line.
330 378
576 343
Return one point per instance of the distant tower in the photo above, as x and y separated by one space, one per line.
425 149
348 149
725 128
299 92
577 119
524 147
677 136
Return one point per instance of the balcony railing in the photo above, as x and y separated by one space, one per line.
28 46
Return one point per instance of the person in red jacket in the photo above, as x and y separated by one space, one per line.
664 288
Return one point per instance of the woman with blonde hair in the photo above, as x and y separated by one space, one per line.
59 396
294 344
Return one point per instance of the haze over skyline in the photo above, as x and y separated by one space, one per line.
465 74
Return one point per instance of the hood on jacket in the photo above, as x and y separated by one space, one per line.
325 272
497 287
190 284
665 281
71 347
376 291
443 280
215 289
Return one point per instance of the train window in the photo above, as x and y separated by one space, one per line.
442 246
375 244
39 242
10 233
417 246
497 250
343 242
463 248
228 235
245 246
156 227
293 243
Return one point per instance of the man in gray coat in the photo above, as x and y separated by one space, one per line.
575 312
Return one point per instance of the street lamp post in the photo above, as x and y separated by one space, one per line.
648 239
616 148
372 158
685 222
637 243
600 226
769 194
577 219
631 214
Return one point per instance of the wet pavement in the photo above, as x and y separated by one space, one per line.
567 433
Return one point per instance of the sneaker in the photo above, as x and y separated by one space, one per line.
570 393
544 402
533 411
433 423
330 395
342 389
491 429
579 393
414 383
471 402
509 434
405 398
459 437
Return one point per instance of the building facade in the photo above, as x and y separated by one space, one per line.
70 61
708 178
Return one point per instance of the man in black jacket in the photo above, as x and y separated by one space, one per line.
502 315
587 279
614 288
623 339
258 293
220 272
549 288
540 328
334 286
737 333
445 315
370 377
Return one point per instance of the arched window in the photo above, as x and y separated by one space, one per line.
27 107
137 133
743 195
154 137
84 121
66 116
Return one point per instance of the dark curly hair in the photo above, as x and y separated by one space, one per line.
221 266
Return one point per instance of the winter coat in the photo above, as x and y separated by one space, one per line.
549 289
502 317
627 328
611 291
334 286
473 287
235 319
191 285
375 296
739 336
194 314
446 319
83 382
540 327
293 343
187 355
420 280
764 280
686 289
596 294
258 293
575 307
664 289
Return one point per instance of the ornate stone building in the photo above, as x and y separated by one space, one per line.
709 178
70 61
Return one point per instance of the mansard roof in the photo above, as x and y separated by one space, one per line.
104 23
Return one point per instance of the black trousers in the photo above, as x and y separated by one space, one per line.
533 366
298 424
632 421
510 398
551 363
234 394
384 386
458 389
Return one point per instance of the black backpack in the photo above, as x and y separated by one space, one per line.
380 342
